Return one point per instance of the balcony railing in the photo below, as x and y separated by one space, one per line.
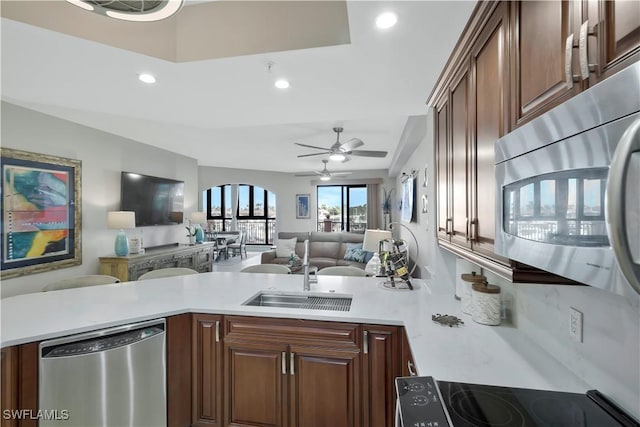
259 231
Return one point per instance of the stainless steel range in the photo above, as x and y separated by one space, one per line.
425 402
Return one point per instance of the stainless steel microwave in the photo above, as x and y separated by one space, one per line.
568 187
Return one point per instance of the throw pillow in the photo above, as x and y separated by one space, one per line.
284 247
355 253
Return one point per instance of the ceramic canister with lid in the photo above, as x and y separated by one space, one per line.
467 281
486 303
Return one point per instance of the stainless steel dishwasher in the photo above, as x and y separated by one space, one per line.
114 377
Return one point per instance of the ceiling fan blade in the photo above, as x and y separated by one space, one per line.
312 146
314 173
340 173
351 144
368 153
314 154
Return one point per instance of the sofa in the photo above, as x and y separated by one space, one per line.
326 249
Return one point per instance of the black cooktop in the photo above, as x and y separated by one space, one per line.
422 400
471 405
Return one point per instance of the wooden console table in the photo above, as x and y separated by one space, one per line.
198 257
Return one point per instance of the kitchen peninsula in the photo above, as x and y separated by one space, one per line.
470 353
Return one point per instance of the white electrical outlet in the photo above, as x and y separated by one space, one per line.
575 324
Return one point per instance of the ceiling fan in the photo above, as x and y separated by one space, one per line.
341 152
325 174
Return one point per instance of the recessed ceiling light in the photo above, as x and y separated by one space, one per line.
386 20
147 78
282 84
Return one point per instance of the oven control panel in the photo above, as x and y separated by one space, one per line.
419 402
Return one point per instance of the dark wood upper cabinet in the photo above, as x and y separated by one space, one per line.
443 184
459 162
543 35
490 121
513 62
613 36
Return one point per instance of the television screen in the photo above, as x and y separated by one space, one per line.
156 201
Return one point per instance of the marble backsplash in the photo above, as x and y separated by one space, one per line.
608 358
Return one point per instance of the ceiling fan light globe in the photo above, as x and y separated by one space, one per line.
337 157
325 178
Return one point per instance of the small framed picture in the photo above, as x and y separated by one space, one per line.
303 210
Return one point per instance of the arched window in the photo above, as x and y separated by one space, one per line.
255 211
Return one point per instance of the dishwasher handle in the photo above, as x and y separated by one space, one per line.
102 340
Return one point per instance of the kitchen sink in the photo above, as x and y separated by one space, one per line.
304 301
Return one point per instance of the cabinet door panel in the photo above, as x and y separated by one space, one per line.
619 34
442 165
255 394
207 371
459 153
179 370
381 365
541 31
325 387
491 83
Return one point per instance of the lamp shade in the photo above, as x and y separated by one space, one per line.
119 220
373 237
198 217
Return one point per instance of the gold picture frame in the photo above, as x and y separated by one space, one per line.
41 213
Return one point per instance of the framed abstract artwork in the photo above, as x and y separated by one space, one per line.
41 213
303 210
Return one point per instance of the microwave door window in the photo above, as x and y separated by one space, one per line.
564 208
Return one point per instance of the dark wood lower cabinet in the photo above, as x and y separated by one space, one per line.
19 385
325 387
297 373
255 392
179 351
381 364
206 367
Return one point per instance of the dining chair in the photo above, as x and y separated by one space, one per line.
81 282
341 270
239 246
267 268
167 272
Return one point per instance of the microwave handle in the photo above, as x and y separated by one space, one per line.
616 191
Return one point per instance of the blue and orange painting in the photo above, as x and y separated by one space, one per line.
36 215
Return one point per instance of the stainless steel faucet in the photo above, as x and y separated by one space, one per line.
306 285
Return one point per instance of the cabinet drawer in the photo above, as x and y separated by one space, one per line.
307 332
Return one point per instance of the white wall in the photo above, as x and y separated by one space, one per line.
103 157
608 358
285 186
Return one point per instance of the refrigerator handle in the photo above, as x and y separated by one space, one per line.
615 199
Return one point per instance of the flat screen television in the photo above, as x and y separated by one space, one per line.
156 201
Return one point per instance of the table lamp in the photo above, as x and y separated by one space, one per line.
371 243
121 220
198 218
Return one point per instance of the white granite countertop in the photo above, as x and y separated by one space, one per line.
474 353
